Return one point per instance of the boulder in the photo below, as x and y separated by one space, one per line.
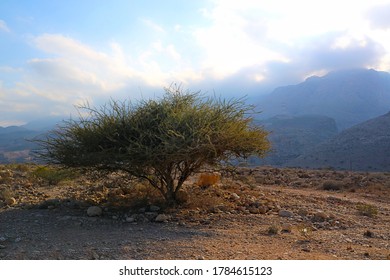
94 211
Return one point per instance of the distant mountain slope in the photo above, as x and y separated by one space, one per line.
292 136
15 144
350 97
365 146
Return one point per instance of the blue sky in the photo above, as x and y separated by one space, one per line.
58 54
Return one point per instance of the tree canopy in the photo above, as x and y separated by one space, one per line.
162 141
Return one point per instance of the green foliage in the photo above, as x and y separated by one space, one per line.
162 141
53 175
367 210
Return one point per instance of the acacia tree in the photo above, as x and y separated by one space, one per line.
162 141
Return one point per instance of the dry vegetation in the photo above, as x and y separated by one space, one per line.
260 213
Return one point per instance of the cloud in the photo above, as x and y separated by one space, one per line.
379 16
3 26
154 26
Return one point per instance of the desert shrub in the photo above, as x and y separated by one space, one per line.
53 175
5 193
208 179
367 210
332 185
273 230
160 141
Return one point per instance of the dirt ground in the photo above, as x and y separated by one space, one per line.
260 213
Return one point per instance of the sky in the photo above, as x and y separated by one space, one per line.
56 55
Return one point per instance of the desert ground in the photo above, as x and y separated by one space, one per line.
254 213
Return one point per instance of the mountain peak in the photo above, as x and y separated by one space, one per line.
348 96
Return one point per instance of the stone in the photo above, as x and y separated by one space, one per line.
285 214
263 209
94 211
10 201
235 196
151 215
130 219
161 218
154 208
320 217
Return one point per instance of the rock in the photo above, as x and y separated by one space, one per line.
94 211
235 196
10 201
253 210
154 208
130 219
151 215
263 209
285 214
320 217
161 218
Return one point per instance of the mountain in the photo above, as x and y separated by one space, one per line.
365 146
349 96
292 136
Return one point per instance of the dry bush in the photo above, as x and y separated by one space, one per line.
333 185
208 179
5 193
367 210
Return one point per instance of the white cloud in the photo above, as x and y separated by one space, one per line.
3 26
251 34
154 26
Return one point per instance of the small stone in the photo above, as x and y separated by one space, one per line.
94 211
285 214
10 201
151 215
320 217
2 247
235 196
154 208
161 218
130 219
254 210
263 209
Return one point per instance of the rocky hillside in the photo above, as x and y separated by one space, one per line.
293 136
350 97
15 141
362 147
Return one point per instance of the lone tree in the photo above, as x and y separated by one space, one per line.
162 141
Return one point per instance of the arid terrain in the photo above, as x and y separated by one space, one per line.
259 213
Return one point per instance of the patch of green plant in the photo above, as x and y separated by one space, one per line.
53 175
367 210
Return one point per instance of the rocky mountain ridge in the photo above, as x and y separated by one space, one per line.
365 146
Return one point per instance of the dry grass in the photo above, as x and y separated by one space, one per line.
208 179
